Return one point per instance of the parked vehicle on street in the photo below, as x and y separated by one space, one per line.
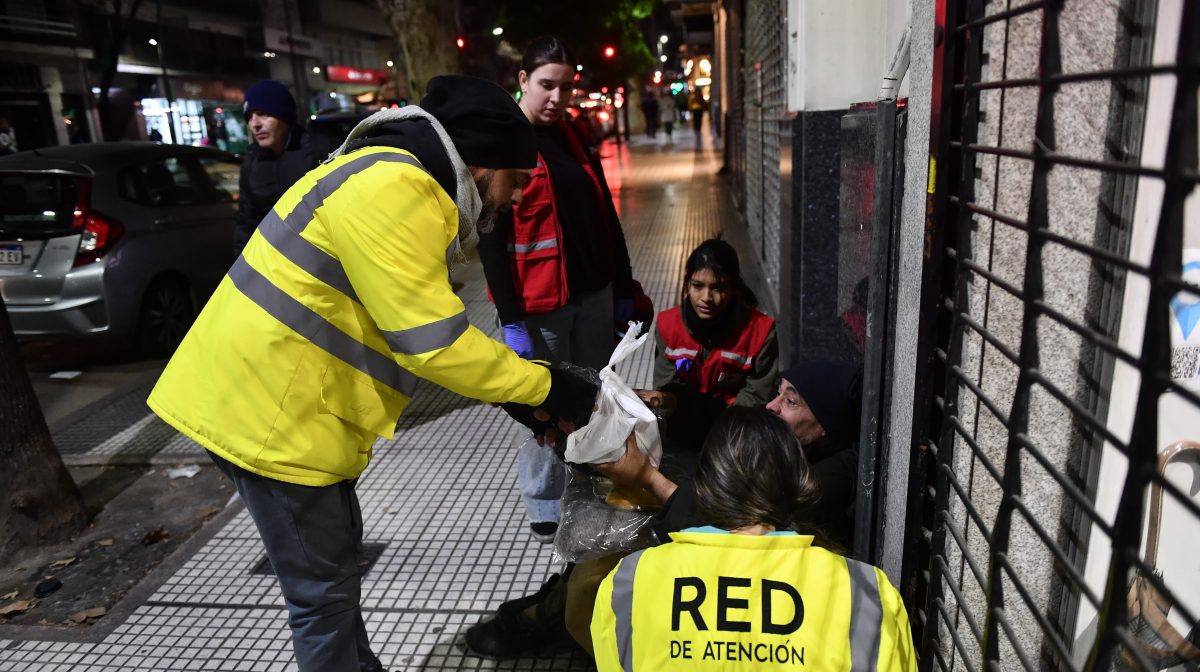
121 238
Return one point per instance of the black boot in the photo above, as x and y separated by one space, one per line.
515 630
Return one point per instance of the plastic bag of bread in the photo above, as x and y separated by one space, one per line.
598 520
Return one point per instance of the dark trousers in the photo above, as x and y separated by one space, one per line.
313 537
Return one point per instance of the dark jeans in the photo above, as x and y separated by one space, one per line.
313 537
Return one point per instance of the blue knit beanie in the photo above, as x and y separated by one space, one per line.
270 97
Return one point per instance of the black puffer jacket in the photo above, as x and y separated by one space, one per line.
265 176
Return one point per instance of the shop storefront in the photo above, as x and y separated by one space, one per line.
201 112
349 89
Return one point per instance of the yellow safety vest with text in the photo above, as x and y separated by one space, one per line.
712 601
312 344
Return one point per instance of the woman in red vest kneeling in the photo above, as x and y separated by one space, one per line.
715 341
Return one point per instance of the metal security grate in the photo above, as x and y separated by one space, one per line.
765 117
1034 494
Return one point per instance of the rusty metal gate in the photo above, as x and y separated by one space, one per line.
1059 341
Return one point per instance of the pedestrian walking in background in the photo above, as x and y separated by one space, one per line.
557 267
696 108
282 152
650 109
667 115
313 344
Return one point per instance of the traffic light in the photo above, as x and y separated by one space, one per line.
462 44
610 51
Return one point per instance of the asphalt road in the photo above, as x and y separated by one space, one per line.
70 375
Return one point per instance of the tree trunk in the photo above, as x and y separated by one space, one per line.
39 503
426 36
108 51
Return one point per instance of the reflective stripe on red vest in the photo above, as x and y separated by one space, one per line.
535 242
721 370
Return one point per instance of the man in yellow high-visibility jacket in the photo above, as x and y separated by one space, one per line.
313 343
744 593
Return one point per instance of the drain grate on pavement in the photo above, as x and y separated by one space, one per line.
370 554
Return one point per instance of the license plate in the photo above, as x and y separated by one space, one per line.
12 255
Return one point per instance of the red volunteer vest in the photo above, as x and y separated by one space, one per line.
535 243
721 370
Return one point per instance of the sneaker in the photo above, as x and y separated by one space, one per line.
544 532
512 632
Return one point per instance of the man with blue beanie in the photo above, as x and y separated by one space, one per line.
282 152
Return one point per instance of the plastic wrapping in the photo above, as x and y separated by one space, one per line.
589 528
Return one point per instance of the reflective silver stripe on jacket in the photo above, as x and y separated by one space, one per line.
680 352
736 358
866 617
309 324
622 606
284 233
535 246
428 337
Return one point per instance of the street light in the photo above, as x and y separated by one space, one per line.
663 39
497 31
579 68
153 42
316 70
391 64
663 58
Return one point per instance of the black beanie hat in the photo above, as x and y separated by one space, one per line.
271 97
487 126
833 392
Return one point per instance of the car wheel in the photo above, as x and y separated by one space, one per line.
167 314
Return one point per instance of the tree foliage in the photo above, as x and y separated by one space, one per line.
587 28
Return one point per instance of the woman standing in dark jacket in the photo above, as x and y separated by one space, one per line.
557 268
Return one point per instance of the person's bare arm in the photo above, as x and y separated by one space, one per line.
635 470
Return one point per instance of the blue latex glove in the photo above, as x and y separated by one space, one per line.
623 312
516 336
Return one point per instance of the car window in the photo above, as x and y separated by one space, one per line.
223 175
36 202
164 182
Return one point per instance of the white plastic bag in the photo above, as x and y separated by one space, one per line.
618 412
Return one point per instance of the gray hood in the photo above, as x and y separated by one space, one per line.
467 197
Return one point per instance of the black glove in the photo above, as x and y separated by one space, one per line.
572 396
524 415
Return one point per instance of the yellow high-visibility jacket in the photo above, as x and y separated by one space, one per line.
312 344
715 601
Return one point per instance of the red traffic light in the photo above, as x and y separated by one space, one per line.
609 52
462 43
